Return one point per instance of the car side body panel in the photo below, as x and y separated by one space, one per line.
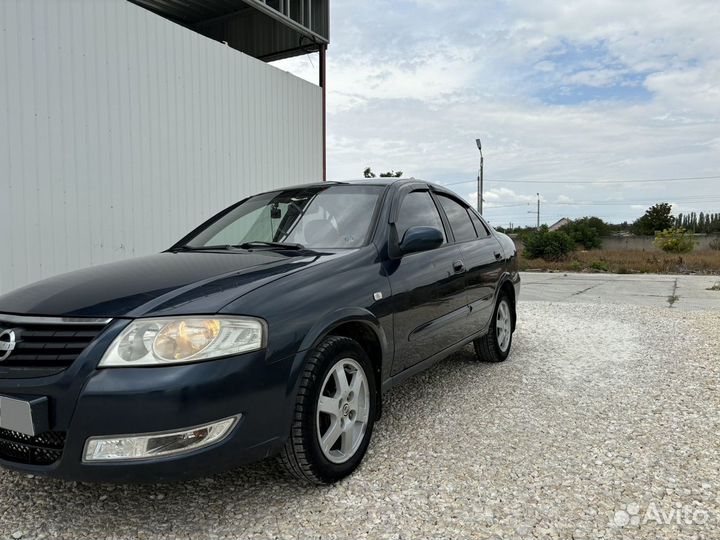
429 304
418 309
483 272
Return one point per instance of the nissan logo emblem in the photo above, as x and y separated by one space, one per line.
7 343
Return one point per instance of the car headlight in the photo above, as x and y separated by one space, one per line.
154 342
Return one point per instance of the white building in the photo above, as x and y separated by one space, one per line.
559 224
125 124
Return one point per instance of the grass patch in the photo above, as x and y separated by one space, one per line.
600 266
631 262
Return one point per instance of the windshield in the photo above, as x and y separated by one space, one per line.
336 216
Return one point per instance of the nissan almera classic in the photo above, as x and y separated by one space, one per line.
272 329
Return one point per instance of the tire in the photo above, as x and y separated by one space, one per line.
348 412
489 348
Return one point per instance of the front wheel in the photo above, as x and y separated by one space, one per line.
334 413
495 345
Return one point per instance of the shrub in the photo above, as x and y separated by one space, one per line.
548 245
582 234
576 266
587 231
715 244
675 240
600 266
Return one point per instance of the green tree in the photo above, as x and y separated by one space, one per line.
368 173
546 244
587 231
657 218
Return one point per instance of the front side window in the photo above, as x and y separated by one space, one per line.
418 210
332 217
459 219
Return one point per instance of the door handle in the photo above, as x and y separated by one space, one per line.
458 266
498 255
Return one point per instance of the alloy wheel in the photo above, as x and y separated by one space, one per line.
503 325
343 410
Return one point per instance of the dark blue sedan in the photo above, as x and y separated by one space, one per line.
272 329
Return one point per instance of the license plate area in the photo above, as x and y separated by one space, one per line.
28 416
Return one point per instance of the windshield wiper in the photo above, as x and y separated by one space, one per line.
278 245
203 248
244 245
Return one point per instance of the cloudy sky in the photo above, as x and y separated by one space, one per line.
564 95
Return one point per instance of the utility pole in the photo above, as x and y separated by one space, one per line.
537 212
480 179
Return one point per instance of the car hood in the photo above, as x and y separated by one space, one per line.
165 284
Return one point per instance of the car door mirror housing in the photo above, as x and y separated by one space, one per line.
421 239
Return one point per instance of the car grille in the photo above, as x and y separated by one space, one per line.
45 346
43 449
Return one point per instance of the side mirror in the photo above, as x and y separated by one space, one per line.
421 239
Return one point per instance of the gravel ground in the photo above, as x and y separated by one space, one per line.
603 422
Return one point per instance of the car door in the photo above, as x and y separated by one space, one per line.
482 256
428 287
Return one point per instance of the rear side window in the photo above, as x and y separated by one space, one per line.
459 219
480 227
418 210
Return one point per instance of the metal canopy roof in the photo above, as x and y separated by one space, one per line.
266 29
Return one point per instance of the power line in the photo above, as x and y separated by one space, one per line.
624 203
591 182
508 205
595 204
691 199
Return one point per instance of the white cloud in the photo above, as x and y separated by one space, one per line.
498 196
545 66
596 77
412 85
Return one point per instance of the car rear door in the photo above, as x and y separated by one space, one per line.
429 299
482 256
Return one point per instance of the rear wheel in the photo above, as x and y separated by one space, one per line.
495 345
334 413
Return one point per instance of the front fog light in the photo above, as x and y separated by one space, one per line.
150 445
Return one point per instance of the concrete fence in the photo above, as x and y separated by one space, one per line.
645 243
642 243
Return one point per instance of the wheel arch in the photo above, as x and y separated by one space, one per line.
357 324
507 287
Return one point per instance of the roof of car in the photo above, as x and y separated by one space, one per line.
384 181
370 182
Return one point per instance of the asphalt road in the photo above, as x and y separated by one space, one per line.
678 292
603 422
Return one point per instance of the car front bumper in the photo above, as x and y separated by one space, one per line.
85 402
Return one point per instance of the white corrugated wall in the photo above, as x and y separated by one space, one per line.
121 131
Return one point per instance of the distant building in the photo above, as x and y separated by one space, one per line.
560 223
